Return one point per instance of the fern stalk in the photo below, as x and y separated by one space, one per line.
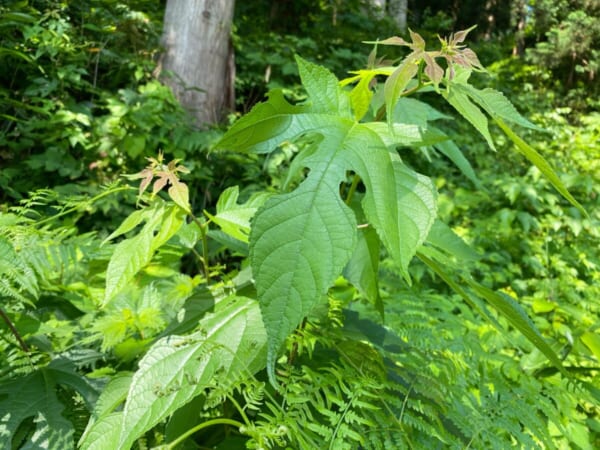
14 331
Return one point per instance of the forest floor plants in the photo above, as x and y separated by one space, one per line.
298 320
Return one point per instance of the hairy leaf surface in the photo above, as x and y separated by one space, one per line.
300 241
230 343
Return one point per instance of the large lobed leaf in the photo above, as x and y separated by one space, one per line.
35 397
301 241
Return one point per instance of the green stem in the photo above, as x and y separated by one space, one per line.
239 409
352 189
88 202
209 423
14 331
204 258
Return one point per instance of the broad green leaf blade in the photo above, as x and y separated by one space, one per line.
453 153
400 203
133 254
461 103
396 83
171 221
129 257
130 222
361 95
322 87
180 194
538 160
518 318
592 341
299 244
104 433
34 396
412 111
363 268
265 126
233 218
230 343
269 124
408 135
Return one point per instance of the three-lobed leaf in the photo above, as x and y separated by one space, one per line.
301 241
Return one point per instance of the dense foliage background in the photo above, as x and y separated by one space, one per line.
80 105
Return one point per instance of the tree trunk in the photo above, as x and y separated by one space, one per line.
398 9
198 61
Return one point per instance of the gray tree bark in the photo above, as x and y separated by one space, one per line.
398 9
198 60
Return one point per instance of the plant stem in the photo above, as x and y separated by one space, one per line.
352 189
88 202
14 331
204 258
209 423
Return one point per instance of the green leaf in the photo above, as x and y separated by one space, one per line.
461 102
396 83
300 241
233 218
451 150
592 341
539 161
363 268
129 257
518 318
408 135
230 343
496 105
445 239
133 254
130 222
180 194
412 111
172 220
35 396
361 96
299 244
399 203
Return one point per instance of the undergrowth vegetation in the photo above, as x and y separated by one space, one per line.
378 259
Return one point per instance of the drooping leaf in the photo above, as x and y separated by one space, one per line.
451 150
461 102
445 239
496 105
363 268
518 318
539 161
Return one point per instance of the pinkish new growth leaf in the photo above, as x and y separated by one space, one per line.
165 174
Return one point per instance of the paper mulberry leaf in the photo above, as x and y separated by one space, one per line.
299 244
300 241
35 397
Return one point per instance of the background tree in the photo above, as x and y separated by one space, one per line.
198 63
